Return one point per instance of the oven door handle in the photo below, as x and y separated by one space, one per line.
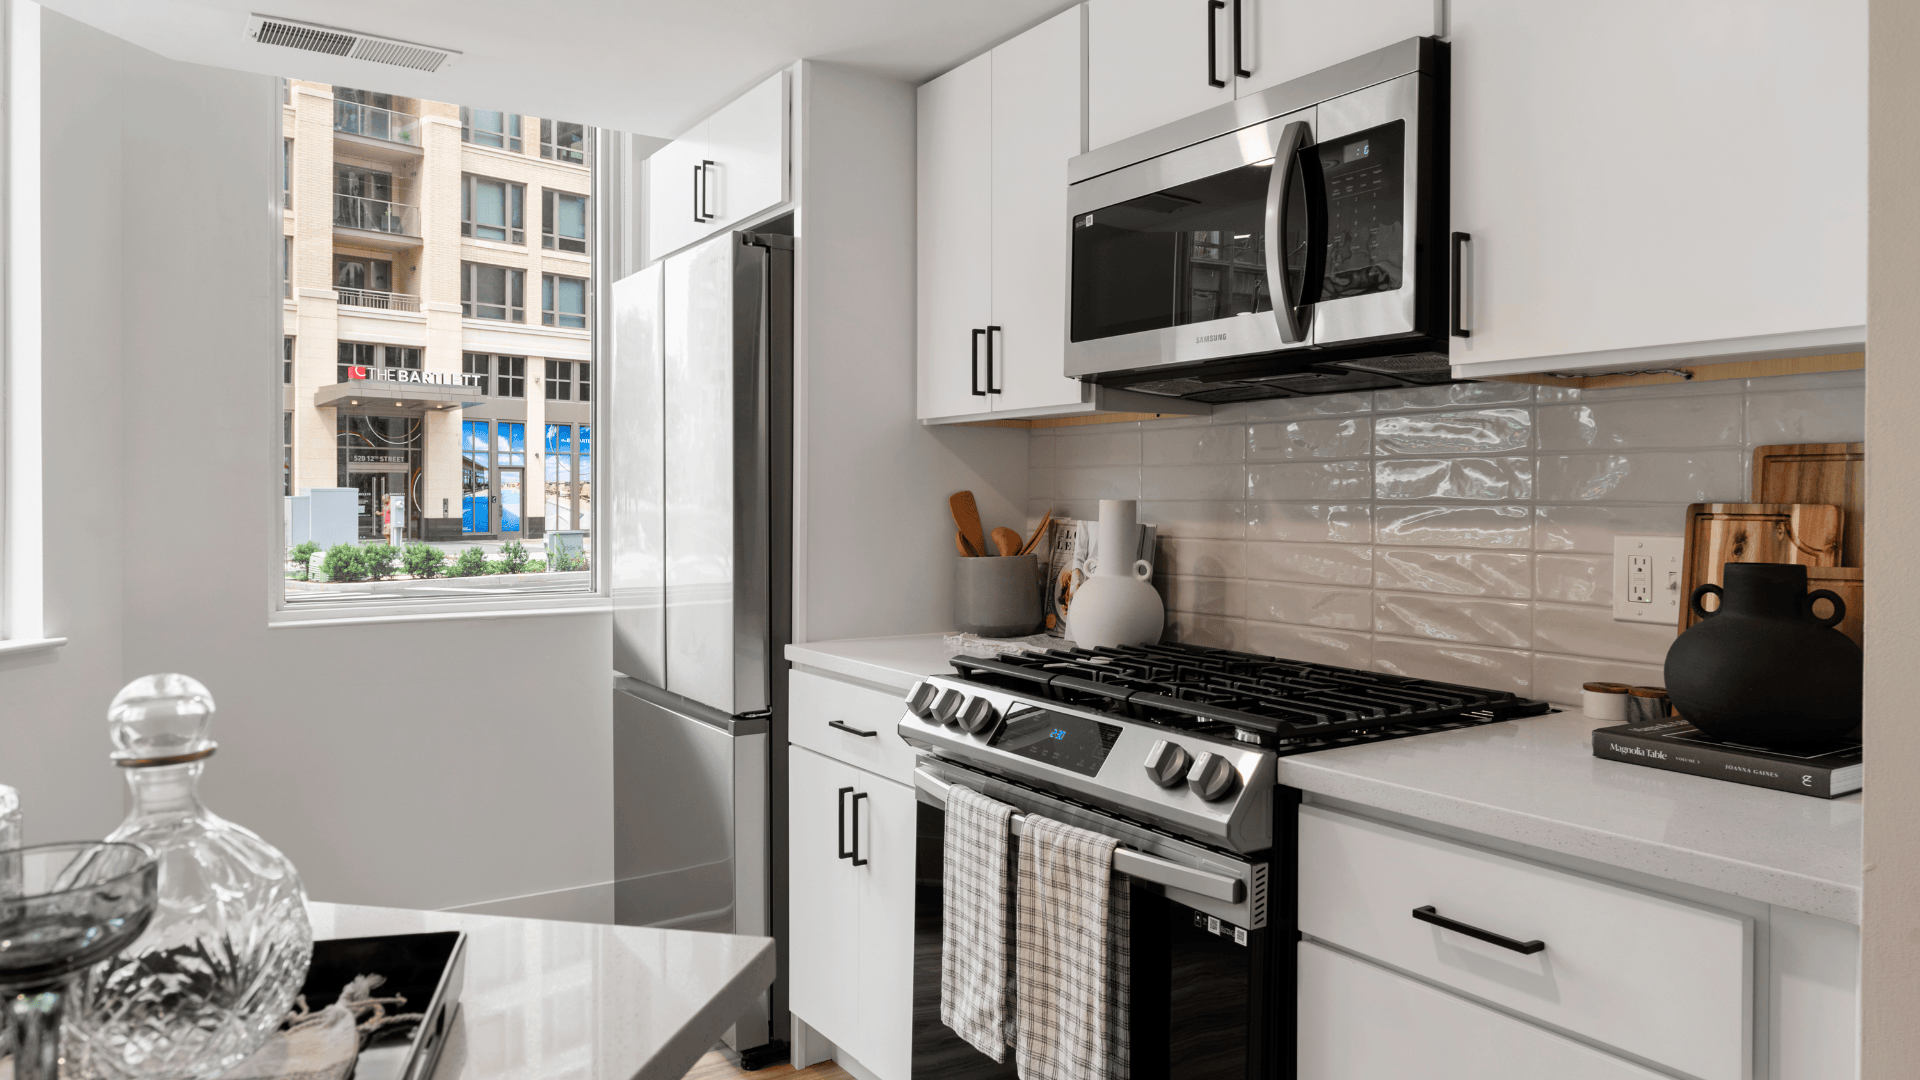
1292 317
1125 859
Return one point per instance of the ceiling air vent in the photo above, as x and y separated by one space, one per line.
293 34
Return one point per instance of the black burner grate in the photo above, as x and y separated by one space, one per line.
1291 706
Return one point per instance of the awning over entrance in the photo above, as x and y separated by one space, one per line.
402 389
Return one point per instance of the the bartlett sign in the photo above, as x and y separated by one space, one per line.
409 375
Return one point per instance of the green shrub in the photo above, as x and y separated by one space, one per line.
343 563
566 559
514 557
471 563
303 551
423 560
379 560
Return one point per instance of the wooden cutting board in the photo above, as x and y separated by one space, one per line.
1831 473
1849 583
1720 533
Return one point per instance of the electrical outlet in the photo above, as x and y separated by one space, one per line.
1646 578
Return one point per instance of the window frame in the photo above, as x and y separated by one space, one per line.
483 370
552 151
514 286
510 376
559 381
509 133
550 237
550 314
513 203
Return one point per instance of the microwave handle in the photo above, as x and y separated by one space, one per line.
1292 318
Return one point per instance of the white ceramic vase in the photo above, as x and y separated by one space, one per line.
1117 604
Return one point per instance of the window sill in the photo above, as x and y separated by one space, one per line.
430 611
31 645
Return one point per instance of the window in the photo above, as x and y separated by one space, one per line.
351 273
493 210
476 512
352 354
559 380
563 221
363 199
563 301
513 375
483 128
362 112
286 358
286 459
569 476
563 141
286 174
475 365
286 266
586 381
400 356
492 292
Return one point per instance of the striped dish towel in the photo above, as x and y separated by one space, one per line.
1071 938
976 940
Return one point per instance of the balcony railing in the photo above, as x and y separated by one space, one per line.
376 215
374 298
374 123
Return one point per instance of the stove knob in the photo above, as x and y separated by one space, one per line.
920 699
948 707
1167 763
1213 777
977 716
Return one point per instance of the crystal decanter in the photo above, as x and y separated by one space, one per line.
218 968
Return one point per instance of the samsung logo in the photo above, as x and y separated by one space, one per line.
1209 337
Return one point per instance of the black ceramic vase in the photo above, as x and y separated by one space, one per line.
1763 668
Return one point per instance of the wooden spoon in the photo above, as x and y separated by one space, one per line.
966 515
1037 534
960 542
1006 540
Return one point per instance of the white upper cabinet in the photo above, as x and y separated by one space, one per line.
955 212
1650 182
727 168
1151 62
1285 39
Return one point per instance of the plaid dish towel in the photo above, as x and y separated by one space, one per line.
1071 937
976 940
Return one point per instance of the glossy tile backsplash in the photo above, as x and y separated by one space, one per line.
1462 532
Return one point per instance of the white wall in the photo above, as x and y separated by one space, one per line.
420 764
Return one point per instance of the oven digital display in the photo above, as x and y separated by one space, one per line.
1071 742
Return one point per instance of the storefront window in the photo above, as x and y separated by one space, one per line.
475 508
379 456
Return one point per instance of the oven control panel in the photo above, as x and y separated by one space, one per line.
1217 792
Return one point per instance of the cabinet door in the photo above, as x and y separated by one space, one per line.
1612 213
1285 39
671 179
956 229
1036 129
1148 63
727 168
886 842
1360 1022
822 897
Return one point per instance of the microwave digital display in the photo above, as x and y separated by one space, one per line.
1071 742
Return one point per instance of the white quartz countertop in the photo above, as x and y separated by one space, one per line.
1536 782
578 1000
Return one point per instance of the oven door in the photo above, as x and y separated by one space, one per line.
1205 996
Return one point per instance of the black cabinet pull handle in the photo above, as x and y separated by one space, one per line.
1460 299
701 176
840 806
696 194
992 387
974 367
1429 915
853 731
857 860
1239 65
1213 42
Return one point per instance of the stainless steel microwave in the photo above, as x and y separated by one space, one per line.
1291 242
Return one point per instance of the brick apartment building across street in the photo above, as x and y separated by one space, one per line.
437 283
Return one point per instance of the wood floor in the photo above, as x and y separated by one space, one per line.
715 1066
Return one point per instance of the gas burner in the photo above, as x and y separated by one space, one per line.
1290 706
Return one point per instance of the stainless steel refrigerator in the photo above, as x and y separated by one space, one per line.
697 536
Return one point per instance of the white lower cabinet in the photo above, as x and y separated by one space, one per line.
1361 1022
850 909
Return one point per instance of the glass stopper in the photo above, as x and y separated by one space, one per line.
160 716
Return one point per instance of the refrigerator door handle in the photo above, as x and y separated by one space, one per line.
840 809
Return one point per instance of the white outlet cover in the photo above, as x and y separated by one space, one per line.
1664 555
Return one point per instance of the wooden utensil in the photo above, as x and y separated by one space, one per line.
966 515
1720 533
1027 548
1006 540
1831 473
960 543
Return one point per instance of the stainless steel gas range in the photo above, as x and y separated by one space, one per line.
1172 750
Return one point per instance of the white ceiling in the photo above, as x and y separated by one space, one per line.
651 67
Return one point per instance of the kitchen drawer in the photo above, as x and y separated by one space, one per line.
1359 1022
1655 977
815 703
